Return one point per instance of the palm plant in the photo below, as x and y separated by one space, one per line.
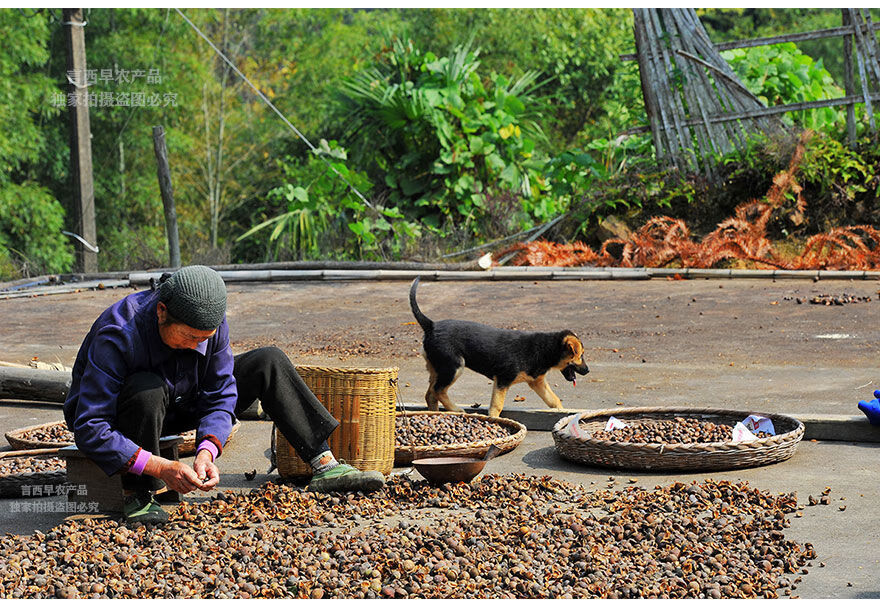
439 136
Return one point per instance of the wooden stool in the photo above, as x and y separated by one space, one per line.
95 487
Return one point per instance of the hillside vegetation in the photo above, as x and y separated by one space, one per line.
433 130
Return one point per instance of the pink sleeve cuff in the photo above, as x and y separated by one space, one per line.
140 462
207 445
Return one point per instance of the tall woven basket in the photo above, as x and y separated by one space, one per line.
363 401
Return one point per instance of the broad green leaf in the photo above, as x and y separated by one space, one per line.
300 194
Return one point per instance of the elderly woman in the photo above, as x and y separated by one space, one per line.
158 362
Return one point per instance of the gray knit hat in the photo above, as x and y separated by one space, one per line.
195 295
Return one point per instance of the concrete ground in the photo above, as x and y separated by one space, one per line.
734 344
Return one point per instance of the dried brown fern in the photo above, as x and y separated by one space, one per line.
785 182
550 254
843 248
743 236
660 241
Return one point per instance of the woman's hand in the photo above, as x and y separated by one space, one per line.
206 470
176 475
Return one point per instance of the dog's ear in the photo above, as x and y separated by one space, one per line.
572 345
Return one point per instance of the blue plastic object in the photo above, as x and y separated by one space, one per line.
871 408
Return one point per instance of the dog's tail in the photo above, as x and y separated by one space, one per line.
427 324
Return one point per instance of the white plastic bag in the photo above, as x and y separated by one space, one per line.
573 426
741 434
757 423
614 423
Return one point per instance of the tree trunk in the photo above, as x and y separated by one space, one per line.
34 385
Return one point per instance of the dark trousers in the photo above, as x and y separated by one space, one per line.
145 411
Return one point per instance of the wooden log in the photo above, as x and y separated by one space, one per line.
83 198
34 385
167 191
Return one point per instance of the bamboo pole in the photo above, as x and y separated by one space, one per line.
775 110
870 43
46 451
691 91
817 34
732 102
848 83
645 68
672 98
860 59
668 147
717 134
701 130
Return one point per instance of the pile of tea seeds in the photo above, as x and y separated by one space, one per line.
501 536
31 464
674 430
444 429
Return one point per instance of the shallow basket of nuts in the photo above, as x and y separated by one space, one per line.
33 467
56 434
50 434
672 439
431 434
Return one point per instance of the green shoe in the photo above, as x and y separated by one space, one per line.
143 508
346 478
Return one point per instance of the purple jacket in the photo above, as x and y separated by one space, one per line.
124 340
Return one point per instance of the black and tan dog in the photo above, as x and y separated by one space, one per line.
507 357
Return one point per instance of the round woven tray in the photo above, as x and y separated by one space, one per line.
403 455
19 441
11 484
676 456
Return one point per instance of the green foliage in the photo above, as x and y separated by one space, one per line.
839 186
726 24
31 219
782 74
305 54
453 146
636 195
128 207
840 183
590 92
322 216
572 172
442 137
